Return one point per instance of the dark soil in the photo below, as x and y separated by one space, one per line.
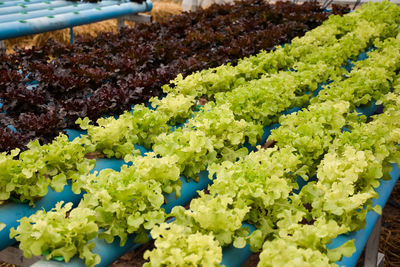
133 258
390 231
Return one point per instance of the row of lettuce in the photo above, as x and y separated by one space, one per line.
258 188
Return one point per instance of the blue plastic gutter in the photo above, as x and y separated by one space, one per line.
52 11
32 7
19 2
45 24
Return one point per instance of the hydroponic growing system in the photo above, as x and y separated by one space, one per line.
241 128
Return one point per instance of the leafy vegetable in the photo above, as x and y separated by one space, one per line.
61 232
193 248
27 175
